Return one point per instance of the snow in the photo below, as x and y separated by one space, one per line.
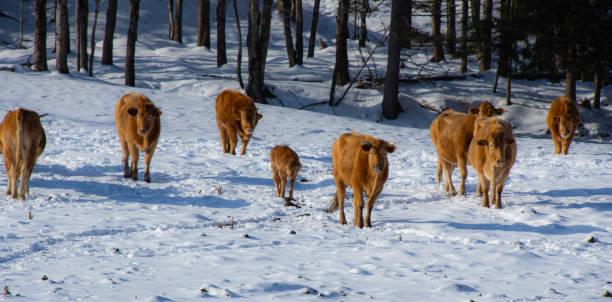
210 226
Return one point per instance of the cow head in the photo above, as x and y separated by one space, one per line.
486 109
567 124
248 119
495 144
377 154
146 115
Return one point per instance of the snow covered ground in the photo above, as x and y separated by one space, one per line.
96 236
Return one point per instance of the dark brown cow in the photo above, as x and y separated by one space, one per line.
138 127
563 118
22 140
360 162
492 153
451 132
284 163
235 114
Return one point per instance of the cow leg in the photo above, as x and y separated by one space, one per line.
134 154
283 184
276 178
370 206
233 140
24 181
462 163
14 177
340 195
557 142
566 144
8 166
439 172
448 172
224 138
498 191
479 189
125 155
358 204
291 184
484 183
147 157
245 142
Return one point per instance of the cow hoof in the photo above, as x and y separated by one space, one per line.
147 180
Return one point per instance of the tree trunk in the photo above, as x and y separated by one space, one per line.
92 46
299 33
597 90
66 27
363 31
464 35
82 11
221 56
287 28
239 56
451 32
171 19
40 36
487 26
406 23
204 23
130 53
438 49
341 67
313 29
20 25
257 43
390 104
178 22
61 53
109 33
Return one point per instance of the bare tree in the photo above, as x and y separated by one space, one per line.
20 25
313 29
406 20
486 28
92 45
109 32
239 56
451 32
286 5
464 35
82 10
61 34
171 19
257 42
363 31
341 70
204 23
178 22
476 27
390 104
436 12
40 36
299 32
130 53
221 56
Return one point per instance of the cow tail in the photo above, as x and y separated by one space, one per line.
19 129
333 204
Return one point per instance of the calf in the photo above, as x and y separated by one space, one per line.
360 162
235 114
451 133
492 153
22 140
563 119
138 128
285 163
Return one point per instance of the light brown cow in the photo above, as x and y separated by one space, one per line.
563 119
492 153
138 127
360 162
285 163
451 132
22 140
235 114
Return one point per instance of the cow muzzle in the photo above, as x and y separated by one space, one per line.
249 131
500 162
142 131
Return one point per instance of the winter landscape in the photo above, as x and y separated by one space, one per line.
209 225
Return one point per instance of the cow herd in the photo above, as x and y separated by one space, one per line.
478 138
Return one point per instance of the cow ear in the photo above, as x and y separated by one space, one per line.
482 142
473 110
157 113
500 111
391 147
259 116
510 141
133 111
366 146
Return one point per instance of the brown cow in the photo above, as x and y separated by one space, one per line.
285 163
138 127
492 153
235 113
451 132
360 162
22 140
563 119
